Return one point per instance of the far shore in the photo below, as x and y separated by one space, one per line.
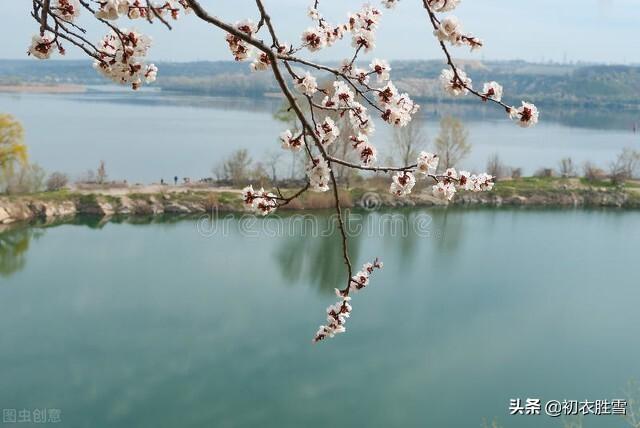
192 199
43 88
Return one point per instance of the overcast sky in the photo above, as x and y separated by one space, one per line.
576 30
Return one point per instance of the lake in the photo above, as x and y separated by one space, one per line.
148 135
192 323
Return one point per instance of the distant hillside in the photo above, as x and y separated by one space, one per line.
613 86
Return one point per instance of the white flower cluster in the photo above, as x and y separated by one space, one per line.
121 58
456 82
398 108
450 30
447 183
338 313
42 46
427 162
307 84
452 180
137 9
327 131
367 153
362 26
319 174
66 9
260 202
240 49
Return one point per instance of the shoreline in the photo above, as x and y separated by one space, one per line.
192 200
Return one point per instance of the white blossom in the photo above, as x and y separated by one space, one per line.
402 183
66 9
260 202
444 190
427 162
492 90
367 153
381 68
390 4
449 30
307 84
289 142
261 63
443 5
527 114
314 39
364 38
455 86
360 120
318 172
342 95
314 14
42 46
112 9
327 131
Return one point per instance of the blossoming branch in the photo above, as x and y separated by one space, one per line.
328 102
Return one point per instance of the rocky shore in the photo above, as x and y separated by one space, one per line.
60 205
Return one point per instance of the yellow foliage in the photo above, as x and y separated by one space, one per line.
12 147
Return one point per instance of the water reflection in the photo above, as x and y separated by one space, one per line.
14 246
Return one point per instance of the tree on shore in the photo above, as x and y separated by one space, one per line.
409 140
13 151
451 143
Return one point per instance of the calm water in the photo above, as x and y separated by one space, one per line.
144 137
156 325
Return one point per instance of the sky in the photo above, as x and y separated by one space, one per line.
603 31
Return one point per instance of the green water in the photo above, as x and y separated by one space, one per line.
162 324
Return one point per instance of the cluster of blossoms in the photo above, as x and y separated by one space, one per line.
121 58
455 82
307 84
447 183
319 174
338 313
450 30
135 9
367 153
240 49
259 202
362 26
327 131
398 108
